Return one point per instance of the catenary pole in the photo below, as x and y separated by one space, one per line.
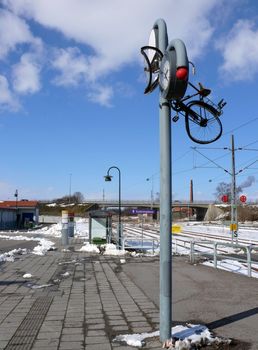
233 193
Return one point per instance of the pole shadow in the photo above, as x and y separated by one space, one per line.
8 283
232 318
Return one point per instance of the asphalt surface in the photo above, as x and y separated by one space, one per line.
226 302
7 245
77 300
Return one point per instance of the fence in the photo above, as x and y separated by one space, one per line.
215 255
141 244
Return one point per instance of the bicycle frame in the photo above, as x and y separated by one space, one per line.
180 106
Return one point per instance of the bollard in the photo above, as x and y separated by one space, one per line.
191 252
249 262
65 238
215 255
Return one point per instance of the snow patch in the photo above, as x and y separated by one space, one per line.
10 256
185 337
110 249
43 247
66 274
90 248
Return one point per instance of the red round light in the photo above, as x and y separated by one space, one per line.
224 198
182 73
243 198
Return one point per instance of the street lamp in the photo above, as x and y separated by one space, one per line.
108 178
16 197
152 199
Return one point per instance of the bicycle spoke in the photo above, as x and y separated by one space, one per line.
202 124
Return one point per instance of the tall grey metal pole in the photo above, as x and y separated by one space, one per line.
119 217
70 187
233 192
165 202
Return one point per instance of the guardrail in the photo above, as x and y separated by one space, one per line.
141 244
215 245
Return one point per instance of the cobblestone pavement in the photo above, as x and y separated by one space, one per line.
86 301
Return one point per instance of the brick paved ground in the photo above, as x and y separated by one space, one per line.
88 301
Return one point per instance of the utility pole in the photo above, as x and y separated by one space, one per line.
233 225
70 187
233 173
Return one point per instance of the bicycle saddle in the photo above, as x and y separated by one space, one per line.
203 91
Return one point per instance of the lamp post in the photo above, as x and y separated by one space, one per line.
16 198
70 187
109 178
152 199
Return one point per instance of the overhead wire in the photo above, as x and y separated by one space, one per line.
240 126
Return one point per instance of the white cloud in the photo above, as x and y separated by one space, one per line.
240 52
113 32
116 29
26 75
101 94
7 99
72 66
13 31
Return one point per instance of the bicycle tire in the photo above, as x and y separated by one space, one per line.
151 84
201 112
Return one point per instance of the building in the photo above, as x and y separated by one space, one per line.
18 214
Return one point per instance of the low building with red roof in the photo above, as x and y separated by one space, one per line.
18 214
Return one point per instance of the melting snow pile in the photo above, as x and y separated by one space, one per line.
110 249
107 249
90 248
43 247
10 256
184 337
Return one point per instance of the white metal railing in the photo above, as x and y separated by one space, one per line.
141 244
215 245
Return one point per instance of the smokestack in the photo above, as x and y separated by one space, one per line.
191 198
191 191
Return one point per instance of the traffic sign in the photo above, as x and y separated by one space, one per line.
224 198
243 198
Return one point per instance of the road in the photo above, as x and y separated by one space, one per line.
6 245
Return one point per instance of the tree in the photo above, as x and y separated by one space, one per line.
78 197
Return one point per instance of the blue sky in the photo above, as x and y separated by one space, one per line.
72 102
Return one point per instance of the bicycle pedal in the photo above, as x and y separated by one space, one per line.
175 118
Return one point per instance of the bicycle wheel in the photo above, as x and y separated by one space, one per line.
202 122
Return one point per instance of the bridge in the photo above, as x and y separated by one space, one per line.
200 207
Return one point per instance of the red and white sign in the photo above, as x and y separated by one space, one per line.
243 198
224 198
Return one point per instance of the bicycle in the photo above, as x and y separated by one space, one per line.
202 121
201 116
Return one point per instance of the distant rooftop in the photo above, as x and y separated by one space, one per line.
18 204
